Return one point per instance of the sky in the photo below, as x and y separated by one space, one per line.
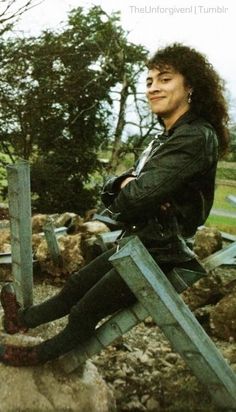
209 26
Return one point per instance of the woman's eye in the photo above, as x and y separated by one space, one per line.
165 79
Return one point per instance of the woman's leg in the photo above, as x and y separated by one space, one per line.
107 296
60 304
75 288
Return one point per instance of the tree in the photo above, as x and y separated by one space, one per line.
134 112
132 109
56 103
11 10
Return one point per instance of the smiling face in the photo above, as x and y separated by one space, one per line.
167 94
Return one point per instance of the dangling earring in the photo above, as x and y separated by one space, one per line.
190 96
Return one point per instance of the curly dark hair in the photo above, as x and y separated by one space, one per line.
208 100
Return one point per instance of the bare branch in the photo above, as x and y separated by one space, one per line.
7 151
9 13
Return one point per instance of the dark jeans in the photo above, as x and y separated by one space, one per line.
88 296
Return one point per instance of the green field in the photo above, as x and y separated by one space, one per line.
227 224
221 193
222 223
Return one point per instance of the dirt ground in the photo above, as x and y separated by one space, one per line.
146 375
142 370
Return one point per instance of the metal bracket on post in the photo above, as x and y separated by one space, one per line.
21 230
53 246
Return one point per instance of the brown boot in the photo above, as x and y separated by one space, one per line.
12 320
19 355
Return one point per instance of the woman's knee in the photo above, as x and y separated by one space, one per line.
90 274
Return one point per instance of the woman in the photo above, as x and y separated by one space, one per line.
163 200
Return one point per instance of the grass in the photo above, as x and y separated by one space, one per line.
222 223
221 193
226 170
226 224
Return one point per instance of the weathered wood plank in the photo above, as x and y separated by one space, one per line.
188 338
112 329
21 230
228 236
106 239
220 257
52 243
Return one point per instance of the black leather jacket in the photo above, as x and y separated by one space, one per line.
180 170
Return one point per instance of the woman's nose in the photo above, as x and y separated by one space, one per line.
154 87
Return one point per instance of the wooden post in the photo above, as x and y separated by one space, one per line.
220 257
21 230
187 337
53 246
105 335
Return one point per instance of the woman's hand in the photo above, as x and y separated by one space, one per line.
165 206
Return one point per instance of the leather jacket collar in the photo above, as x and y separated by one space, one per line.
187 117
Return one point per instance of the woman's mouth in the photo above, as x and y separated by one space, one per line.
156 98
